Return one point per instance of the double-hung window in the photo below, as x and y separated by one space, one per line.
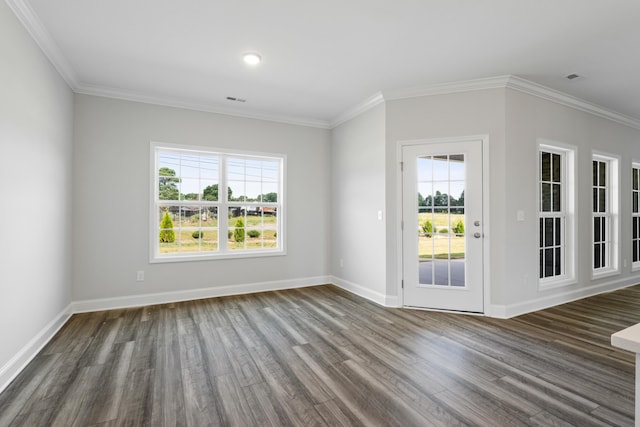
604 214
635 214
555 214
209 203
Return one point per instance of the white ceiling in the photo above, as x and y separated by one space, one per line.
322 58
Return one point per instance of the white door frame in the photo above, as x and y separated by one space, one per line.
485 211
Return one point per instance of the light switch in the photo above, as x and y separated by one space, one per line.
520 215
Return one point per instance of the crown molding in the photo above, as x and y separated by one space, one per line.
535 89
30 21
447 88
498 82
26 15
128 95
358 109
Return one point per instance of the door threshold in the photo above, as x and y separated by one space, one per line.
441 310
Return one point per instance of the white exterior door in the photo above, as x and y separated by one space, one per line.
442 236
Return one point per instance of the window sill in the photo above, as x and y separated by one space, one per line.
600 274
209 257
556 283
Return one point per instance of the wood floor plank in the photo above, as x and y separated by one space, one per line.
335 415
266 410
200 400
30 389
113 380
323 356
79 398
137 400
234 404
168 394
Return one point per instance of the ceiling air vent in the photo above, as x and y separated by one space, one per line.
572 76
233 98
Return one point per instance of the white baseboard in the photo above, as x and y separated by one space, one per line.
392 301
377 297
194 294
513 310
13 367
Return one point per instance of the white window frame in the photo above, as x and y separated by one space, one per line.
635 217
222 204
611 216
568 155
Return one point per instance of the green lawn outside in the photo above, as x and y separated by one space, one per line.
439 245
185 242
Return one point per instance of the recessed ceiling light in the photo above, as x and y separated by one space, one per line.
252 58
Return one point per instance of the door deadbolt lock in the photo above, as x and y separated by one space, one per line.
477 235
476 223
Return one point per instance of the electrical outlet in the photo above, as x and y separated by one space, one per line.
140 276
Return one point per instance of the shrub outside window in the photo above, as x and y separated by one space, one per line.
209 203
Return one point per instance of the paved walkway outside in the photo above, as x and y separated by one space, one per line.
442 272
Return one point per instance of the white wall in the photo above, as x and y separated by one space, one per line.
111 199
514 122
479 112
358 193
35 171
528 119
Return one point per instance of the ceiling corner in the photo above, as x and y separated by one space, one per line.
31 22
358 109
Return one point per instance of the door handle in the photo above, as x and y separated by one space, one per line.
477 235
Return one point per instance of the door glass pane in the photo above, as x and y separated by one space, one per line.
456 193
425 172
440 168
456 167
441 220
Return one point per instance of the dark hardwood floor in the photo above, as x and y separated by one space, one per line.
322 356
